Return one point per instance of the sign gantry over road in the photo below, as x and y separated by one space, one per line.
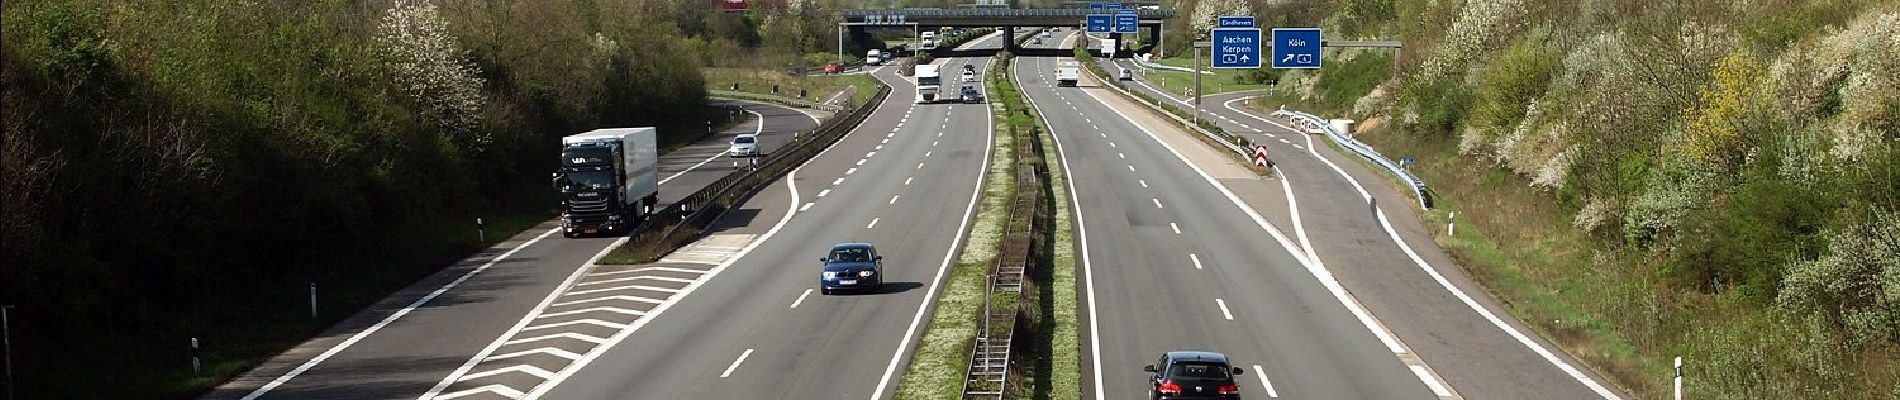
1296 47
1236 47
1126 21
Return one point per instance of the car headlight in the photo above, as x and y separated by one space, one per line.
866 273
831 274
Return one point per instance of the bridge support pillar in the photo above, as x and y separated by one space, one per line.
1009 40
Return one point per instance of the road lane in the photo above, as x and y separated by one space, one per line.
1474 357
1147 296
827 346
396 348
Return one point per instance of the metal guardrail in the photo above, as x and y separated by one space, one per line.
790 101
682 222
1418 186
1235 143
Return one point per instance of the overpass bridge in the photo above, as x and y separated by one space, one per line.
857 22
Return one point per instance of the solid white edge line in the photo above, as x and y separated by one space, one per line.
1262 373
801 298
756 129
1223 309
1082 241
1469 302
956 244
533 314
1437 387
307 365
1313 267
791 184
735 363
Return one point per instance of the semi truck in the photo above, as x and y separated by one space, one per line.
929 79
1067 73
609 180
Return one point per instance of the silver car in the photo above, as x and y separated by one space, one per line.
745 145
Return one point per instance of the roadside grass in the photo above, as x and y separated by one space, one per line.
936 369
1177 83
759 81
1064 369
1342 81
1606 306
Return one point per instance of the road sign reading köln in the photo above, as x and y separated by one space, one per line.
1296 47
1235 22
1127 21
1101 23
1236 47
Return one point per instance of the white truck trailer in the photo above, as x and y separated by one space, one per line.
929 79
609 180
1067 73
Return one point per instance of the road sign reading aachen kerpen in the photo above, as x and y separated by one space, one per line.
1236 47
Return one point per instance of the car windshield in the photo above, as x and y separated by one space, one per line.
850 254
1198 371
743 140
590 179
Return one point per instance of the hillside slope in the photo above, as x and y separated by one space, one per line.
1717 180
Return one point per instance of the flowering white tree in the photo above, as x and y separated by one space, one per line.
433 68
1208 12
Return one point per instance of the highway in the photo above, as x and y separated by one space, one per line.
1448 321
1170 263
905 181
405 343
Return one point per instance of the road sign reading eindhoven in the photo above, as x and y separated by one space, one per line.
1235 22
1236 47
1126 21
1101 23
1296 47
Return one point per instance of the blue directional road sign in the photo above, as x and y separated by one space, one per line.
1236 47
1097 6
1296 47
1101 23
1113 6
1127 21
1235 22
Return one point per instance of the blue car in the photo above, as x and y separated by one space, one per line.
851 266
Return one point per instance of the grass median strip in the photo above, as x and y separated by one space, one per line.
936 371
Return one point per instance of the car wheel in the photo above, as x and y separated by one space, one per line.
879 288
824 291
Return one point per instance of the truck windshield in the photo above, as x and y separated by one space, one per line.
589 180
929 81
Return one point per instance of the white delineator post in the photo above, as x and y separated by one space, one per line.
1678 378
1451 224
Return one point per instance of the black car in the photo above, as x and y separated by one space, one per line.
1184 375
970 95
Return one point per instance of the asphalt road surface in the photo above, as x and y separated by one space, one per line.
1484 354
406 343
1170 263
905 181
